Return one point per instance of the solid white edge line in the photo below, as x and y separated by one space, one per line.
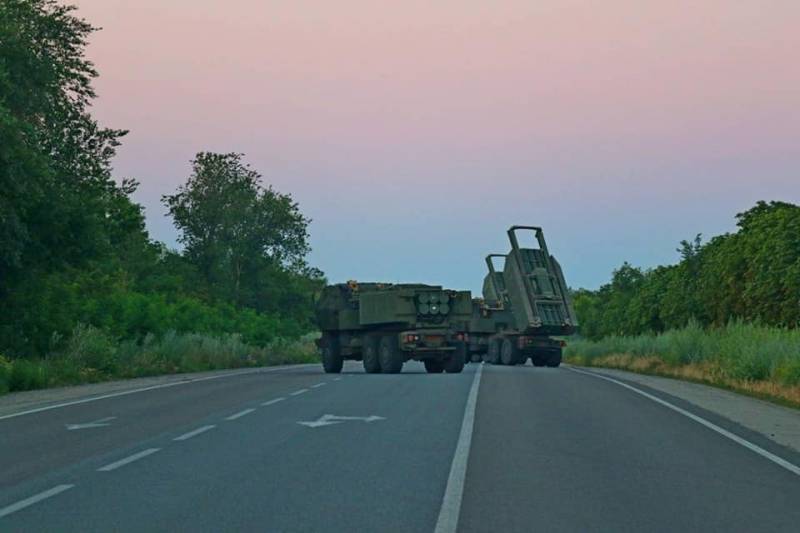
297 392
194 432
131 458
27 502
240 414
153 387
273 401
710 425
451 503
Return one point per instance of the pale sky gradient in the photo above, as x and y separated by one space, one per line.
415 132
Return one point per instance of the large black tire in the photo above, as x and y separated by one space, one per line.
493 353
509 354
554 358
433 366
455 363
372 364
539 358
332 360
389 355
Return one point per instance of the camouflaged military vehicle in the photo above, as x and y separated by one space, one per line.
384 325
523 305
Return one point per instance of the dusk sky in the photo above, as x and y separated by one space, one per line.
414 133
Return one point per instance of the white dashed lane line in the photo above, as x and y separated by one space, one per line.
22 504
194 433
240 414
27 502
274 401
127 460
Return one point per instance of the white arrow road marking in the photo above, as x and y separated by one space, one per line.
96 424
329 420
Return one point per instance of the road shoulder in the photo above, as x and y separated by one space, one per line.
17 402
776 423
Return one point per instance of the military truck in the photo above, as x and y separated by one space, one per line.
523 306
384 325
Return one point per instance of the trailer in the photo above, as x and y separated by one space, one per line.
524 305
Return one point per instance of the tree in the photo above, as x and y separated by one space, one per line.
55 174
752 274
235 230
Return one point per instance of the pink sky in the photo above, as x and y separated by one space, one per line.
423 129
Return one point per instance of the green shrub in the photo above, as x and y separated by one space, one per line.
738 350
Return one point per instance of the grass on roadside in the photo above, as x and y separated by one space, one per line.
91 356
756 360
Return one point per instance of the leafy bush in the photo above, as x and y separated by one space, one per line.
92 356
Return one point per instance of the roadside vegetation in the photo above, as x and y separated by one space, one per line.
727 314
85 293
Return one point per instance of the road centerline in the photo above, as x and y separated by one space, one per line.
27 502
127 460
447 521
194 432
298 392
240 414
318 385
702 421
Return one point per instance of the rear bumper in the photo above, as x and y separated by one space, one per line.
428 341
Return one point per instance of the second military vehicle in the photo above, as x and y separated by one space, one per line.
523 306
384 325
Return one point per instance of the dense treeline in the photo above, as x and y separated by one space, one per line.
751 275
74 251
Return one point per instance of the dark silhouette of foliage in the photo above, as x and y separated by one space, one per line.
751 275
74 251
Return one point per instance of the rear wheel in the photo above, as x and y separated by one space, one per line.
433 366
332 360
455 363
369 350
390 356
493 354
539 358
509 354
554 358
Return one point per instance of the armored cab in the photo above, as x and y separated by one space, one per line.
523 304
384 325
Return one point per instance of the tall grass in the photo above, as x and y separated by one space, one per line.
90 355
739 355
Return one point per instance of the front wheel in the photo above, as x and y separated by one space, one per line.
509 354
332 360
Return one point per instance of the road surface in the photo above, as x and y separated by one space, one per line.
491 449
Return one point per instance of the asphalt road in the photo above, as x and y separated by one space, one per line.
500 449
